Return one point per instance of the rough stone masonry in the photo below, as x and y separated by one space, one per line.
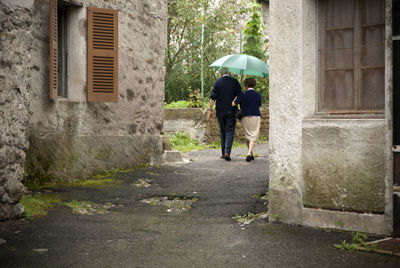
69 137
15 33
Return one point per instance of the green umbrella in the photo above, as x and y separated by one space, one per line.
242 64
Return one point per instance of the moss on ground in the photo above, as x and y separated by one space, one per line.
94 183
106 178
38 205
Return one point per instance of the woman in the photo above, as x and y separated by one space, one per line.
250 106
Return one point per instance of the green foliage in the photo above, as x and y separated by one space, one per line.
37 173
38 205
182 142
253 37
195 99
183 52
277 217
263 139
357 241
182 104
263 196
254 46
345 246
244 219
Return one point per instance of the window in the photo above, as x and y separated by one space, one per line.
66 53
351 56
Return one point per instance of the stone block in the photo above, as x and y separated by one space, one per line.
343 166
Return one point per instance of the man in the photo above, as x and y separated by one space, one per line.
225 90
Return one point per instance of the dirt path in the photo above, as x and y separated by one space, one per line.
135 225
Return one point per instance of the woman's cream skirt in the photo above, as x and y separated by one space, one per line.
251 127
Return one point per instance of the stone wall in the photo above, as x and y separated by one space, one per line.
323 168
70 137
195 123
15 82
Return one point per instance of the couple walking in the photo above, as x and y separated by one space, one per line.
227 94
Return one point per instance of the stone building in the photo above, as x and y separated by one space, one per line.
81 89
334 113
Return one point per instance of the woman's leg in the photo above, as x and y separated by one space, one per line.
251 147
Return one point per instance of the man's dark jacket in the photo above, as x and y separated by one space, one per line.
224 91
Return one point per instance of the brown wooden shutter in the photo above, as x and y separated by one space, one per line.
102 55
53 38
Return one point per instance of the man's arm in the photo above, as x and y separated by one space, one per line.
210 111
238 94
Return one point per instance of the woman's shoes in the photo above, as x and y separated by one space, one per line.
249 158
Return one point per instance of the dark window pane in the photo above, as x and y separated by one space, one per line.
338 94
374 12
373 89
340 13
339 49
373 50
396 17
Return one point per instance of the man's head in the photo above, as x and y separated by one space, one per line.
224 71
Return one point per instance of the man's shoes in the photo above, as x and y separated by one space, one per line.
252 157
248 158
227 157
222 157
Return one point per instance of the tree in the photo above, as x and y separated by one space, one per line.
183 53
254 45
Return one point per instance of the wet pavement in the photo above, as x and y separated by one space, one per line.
176 216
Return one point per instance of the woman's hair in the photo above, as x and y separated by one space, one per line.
249 82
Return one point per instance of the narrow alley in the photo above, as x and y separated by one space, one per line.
139 228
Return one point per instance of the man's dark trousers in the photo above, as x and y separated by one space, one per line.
227 124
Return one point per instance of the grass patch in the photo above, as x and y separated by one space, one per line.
182 104
38 205
263 139
182 142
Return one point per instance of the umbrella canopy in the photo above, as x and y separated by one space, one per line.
242 64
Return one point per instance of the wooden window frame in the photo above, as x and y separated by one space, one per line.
321 69
102 48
